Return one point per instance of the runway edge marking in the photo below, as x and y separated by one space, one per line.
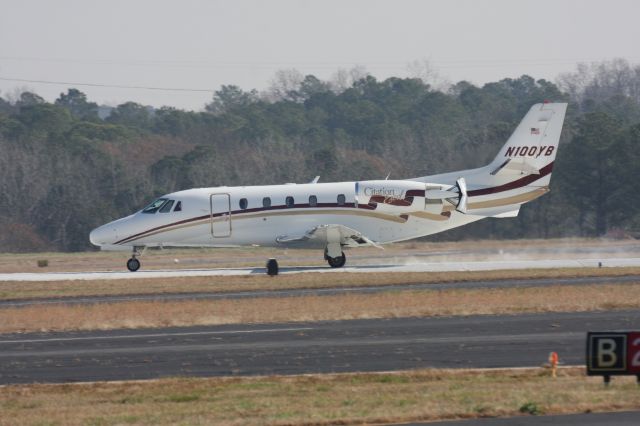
144 336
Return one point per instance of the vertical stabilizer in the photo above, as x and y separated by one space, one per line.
533 146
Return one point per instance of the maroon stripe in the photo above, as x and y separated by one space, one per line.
414 193
519 183
193 219
409 195
253 210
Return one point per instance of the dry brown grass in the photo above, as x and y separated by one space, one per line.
315 308
317 399
27 289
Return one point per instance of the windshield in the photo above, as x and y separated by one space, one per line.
153 207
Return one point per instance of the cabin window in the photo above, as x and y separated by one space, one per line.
153 207
243 203
313 201
341 199
290 201
178 207
166 208
266 202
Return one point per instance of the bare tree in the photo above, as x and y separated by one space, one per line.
285 85
344 78
427 72
601 81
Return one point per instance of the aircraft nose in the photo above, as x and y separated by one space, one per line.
102 235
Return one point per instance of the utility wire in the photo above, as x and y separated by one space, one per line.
114 86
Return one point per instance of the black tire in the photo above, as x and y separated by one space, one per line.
337 262
272 267
133 264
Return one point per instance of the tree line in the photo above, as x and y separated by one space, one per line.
65 170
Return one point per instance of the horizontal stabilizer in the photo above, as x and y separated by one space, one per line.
520 167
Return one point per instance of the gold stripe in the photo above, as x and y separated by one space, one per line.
499 202
521 198
240 216
382 216
516 199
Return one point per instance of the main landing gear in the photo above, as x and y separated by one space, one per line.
272 267
335 261
133 264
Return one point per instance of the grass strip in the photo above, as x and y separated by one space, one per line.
388 304
419 395
11 290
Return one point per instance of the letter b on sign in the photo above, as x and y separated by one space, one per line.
606 352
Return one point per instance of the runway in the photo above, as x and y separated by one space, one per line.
622 418
298 348
408 267
168 297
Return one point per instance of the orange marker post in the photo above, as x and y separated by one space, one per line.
553 360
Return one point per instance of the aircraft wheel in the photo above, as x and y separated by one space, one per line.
272 267
133 264
337 262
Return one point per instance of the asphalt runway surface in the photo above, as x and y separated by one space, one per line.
622 418
167 297
409 266
299 348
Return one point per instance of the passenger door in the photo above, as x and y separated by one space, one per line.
220 215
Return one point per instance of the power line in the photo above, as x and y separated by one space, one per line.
112 86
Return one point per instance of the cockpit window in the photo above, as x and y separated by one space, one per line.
178 207
166 208
153 207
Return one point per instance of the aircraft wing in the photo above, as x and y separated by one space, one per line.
331 234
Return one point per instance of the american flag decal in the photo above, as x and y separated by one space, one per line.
535 131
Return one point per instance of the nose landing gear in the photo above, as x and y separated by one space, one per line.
133 264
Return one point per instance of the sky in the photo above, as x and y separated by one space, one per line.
196 46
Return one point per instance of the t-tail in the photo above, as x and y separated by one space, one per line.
521 171
532 148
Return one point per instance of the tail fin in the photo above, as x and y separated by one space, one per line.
533 146
520 173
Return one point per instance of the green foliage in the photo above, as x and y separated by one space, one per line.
230 98
531 408
131 114
64 171
76 102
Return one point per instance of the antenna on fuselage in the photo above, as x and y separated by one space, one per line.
315 179
387 178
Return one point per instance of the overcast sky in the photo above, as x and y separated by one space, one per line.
190 44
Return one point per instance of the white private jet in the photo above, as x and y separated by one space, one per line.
335 216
